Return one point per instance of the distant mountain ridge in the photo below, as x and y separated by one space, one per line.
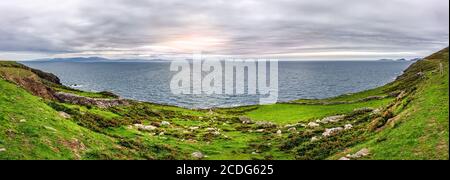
93 59
400 60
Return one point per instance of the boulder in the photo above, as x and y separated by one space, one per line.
332 119
293 129
260 130
348 127
265 125
193 128
142 127
314 139
165 123
279 133
64 115
361 153
198 155
332 131
313 124
245 120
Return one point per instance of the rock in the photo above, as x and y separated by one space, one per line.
211 129
361 153
50 128
348 127
294 125
313 124
145 128
293 129
197 155
23 120
2 149
165 123
64 115
265 125
193 128
332 131
279 133
375 112
86 101
245 120
161 133
344 159
315 138
260 130
332 119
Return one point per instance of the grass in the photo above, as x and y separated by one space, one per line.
37 132
293 113
421 131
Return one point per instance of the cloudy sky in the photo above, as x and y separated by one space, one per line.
285 29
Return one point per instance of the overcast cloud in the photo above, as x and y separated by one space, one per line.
286 29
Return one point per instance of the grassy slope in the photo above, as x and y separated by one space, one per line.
293 113
37 132
419 131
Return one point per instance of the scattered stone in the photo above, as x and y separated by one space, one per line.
64 115
245 120
23 120
332 131
145 128
348 127
198 155
344 159
279 133
165 123
2 149
314 139
50 128
376 112
293 129
265 125
254 153
332 119
293 125
161 133
260 130
361 153
193 128
313 125
211 129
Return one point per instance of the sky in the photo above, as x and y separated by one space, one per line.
281 29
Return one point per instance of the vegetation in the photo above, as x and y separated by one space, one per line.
406 119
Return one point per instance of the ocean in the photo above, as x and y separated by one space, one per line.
150 81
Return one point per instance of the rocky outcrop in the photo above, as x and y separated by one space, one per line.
85 101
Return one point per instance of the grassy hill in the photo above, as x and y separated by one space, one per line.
406 119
